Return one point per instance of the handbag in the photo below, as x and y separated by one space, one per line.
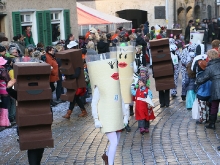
195 110
4 121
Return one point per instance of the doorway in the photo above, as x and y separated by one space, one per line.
137 17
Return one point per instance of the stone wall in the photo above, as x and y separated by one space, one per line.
38 5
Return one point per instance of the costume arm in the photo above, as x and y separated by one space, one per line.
126 112
95 100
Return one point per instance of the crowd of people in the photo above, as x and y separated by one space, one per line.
200 76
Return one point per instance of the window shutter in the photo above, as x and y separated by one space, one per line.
16 18
40 26
47 28
67 23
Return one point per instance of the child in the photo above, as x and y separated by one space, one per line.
143 111
190 86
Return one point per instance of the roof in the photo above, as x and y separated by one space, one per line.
87 14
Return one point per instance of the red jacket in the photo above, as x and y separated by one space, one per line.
142 112
54 75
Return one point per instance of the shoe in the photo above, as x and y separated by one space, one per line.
162 105
131 110
146 130
199 122
142 130
59 101
218 148
128 128
67 115
105 158
83 114
183 98
212 120
167 105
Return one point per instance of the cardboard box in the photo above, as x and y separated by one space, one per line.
164 83
163 69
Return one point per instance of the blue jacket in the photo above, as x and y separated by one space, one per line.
190 83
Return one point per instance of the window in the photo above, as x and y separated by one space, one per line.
55 17
26 19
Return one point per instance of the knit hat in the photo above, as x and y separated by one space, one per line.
144 69
142 79
2 49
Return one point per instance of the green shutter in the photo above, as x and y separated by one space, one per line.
47 28
16 18
67 27
40 26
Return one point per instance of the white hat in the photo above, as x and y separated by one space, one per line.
72 44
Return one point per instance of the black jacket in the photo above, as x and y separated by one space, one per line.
102 47
212 72
187 34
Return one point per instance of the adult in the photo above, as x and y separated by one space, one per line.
28 38
146 28
212 72
187 32
102 44
70 38
141 41
19 40
54 76
2 51
152 33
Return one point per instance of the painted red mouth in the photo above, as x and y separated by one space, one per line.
122 64
115 76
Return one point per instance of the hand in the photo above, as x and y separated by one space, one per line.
11 83
125 120
98 123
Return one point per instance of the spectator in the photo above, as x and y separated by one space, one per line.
54 76
6 45
70 38
102 44
2 51
187 32
28 36
19 40
146 28
152 33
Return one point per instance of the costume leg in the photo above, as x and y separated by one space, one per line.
167 98
202 111
176 76
183 72
35 156
161 98
113 139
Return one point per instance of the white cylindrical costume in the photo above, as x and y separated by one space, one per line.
125 57
106 102
196 37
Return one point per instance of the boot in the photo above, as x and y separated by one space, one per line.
183 97
131 110
128 128
212 121
83 114
142 130
67 115
105 158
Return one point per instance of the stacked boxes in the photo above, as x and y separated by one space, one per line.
34 117
173 31
70 60
162 64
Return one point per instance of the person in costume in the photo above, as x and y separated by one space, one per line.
107 105
143 110
190 86
140 59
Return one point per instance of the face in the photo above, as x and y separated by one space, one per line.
140 83
22 38
28 28
14 52
52 51
142 74
72 38
3 53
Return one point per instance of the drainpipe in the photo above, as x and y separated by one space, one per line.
167 11
174 11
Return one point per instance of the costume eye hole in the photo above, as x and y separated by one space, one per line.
125 56
28 77
117 64
111 64
120 55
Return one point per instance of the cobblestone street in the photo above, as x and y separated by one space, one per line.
174 138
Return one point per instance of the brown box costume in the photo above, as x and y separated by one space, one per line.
174 32
70 60
162 64
34 117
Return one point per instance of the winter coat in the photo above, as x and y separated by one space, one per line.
140 41
212 72
21 45
142 111
187 34
28 40
190 83
54 75
146 28
102 47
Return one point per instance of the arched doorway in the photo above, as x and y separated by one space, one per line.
197 12
209 12
181 17
137 17
189 14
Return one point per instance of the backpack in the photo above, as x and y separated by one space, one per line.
204 91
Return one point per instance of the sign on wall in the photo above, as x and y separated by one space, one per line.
159 12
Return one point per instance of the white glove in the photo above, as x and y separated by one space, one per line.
98 123
125 120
